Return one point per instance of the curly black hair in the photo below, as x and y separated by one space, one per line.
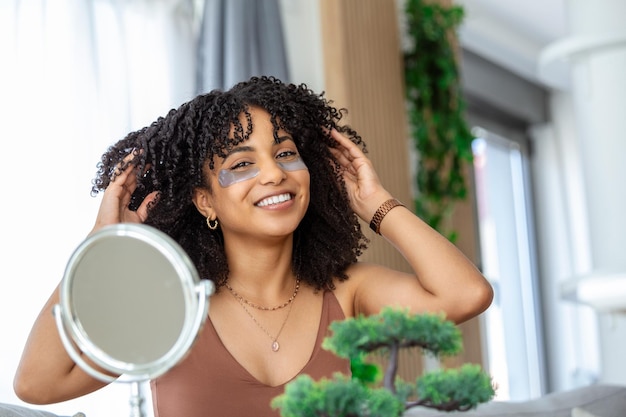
173 150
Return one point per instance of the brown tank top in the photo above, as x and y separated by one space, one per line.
209 382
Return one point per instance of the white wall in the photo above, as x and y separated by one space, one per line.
572 345
301 22
595 53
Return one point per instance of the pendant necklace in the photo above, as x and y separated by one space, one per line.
242 301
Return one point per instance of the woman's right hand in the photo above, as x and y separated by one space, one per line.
114 207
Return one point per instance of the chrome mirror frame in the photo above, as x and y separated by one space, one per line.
172 263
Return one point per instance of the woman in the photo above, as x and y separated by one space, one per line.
263 187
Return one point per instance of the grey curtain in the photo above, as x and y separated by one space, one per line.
239 39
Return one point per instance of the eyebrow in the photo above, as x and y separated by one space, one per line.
237 150
281 139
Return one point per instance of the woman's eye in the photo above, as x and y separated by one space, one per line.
240 166
288 155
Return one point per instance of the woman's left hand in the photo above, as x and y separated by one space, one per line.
362 183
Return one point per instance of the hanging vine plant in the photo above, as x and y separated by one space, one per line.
436 110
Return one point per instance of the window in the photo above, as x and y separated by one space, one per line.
512 330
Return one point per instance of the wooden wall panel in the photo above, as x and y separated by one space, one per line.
363 73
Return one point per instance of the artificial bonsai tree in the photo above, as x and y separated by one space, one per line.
363 394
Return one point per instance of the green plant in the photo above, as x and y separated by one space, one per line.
389 332
435 105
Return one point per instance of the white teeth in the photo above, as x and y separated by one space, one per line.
274 200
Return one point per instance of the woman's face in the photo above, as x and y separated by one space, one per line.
261 187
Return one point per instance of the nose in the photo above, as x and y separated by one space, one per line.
271 173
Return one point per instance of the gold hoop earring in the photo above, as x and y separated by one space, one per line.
212 223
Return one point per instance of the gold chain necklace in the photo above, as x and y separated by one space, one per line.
275 345
242 300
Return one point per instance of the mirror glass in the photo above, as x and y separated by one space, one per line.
131 301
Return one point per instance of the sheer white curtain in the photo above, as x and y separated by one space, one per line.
75 76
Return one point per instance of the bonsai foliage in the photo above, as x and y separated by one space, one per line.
433 88
337 397
454 389
355 338
392 330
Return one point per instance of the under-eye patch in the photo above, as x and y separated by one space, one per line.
296 165
228 177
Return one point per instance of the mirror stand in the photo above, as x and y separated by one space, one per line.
137 399
130 306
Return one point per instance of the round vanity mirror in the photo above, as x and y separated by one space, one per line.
131 302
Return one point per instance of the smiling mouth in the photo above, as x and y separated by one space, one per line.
276 199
